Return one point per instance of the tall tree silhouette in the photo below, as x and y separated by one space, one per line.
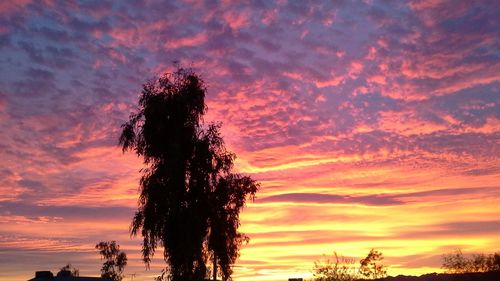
190 199
115 260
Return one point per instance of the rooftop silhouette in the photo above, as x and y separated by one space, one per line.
63 276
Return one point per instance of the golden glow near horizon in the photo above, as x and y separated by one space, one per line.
368 126
425 219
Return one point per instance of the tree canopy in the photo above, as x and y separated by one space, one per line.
371 266
115 260
342 268
68 270
339 268
190 198
457 262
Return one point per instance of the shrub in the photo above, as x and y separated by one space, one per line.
339 269
457 262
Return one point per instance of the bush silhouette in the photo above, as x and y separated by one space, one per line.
340 268
371 266
457 262
68 270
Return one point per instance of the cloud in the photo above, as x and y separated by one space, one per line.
10 7
194 40
69 212
338 109
376 199
330 199
485 228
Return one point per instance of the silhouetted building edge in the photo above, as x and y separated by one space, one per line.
48 276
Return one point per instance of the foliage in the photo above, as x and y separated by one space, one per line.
164 276
456 262
496 261
344 269
189 197
338 269
371 267
68 270
115 260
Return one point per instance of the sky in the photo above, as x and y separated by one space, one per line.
369 124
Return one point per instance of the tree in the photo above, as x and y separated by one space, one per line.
457 262
371 267
496 261
189 199
115 260
339 269
68 270
344 269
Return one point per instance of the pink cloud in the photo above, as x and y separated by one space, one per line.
422 5
379 79
329 83
188 41
10 6
355 68
236 19
269 16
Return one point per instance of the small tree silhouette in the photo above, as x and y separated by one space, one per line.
371 267
68 270
339 269
115 260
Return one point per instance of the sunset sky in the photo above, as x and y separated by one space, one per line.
369 124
